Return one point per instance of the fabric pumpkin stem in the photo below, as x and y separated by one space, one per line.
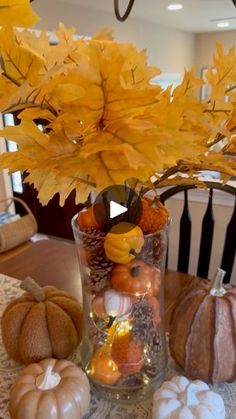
33 288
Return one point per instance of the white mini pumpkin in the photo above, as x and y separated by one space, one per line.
117 304
181 398
112 303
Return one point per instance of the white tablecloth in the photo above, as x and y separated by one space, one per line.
99 408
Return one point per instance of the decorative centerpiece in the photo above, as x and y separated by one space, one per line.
123 348
90 118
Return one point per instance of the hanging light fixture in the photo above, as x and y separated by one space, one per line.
234 2
127 12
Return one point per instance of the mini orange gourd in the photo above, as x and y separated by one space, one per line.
123 242
86 219
102 367
43 323
136 278
50 389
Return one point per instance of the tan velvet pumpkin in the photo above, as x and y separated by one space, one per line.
203 331
42 323
48 390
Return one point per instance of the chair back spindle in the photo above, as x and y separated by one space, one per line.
207 229
184 237
206 239
228 256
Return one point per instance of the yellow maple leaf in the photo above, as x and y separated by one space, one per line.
188 85
17 13
223 74
105 122
20 61
8 89
52 162
103 34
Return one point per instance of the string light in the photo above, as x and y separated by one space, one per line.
123 328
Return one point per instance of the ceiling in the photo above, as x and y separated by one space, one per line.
196 15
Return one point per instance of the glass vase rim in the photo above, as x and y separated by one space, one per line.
85 234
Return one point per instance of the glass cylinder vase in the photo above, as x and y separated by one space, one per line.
123 349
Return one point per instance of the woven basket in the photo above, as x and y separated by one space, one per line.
18 231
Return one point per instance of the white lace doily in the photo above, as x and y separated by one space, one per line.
99 408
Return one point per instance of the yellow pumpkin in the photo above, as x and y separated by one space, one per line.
48 390
43 323
123 242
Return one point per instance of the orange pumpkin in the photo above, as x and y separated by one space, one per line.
43 323
86 219
127 354
123 242
50 389
103 368
136 278
154 218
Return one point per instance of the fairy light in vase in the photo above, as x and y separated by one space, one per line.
123 328
112 365
89 370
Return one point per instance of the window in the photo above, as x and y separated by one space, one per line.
16 178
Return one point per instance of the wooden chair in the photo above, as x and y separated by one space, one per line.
207 231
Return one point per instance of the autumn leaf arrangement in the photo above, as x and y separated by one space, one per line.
103 121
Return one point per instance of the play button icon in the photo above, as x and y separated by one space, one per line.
117 204
116 209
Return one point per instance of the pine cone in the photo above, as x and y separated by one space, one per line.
97 334
151 354
97 281
92 238
142 321
131 380
98 260
100 268
152 250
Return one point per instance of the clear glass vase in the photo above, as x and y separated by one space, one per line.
123 349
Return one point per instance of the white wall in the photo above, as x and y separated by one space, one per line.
205 46
171 50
